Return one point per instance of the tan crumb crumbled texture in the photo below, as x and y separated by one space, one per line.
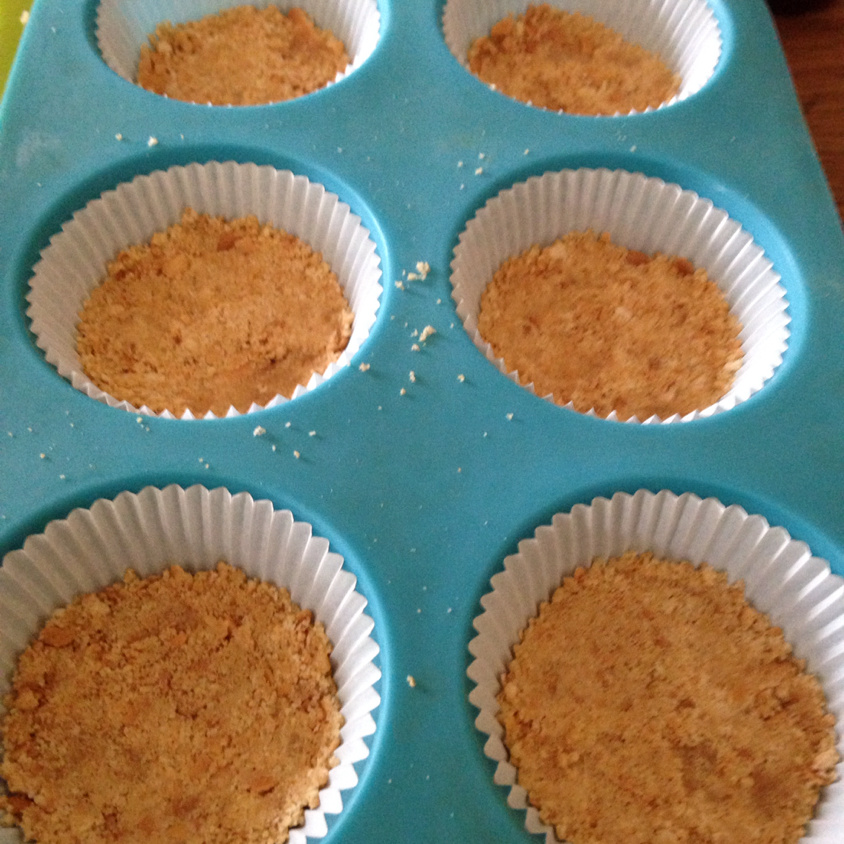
193 708
210 314
609 328
569 62
241 56
649 703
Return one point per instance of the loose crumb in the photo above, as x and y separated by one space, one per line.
422 270
411 681
427 331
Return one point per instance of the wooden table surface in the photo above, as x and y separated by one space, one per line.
812 35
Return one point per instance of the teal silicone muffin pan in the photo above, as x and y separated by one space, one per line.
420 461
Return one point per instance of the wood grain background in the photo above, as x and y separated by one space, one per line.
812 34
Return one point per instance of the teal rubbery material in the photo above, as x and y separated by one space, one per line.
423 493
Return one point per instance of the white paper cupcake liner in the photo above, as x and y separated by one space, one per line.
123 26
683 33
75 260
782 578
641 213
197 527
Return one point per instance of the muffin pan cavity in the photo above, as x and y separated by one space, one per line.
122 26
422 462
796 590
74 261
685 34
195 528
643 214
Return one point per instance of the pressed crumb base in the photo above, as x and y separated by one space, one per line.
188 708
241 56
611 329
648 703
212 314
569 62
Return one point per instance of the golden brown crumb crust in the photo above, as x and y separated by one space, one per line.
569 62
608 328
241 56
648 703
193 708
210 314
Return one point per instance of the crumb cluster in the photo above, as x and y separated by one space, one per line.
609 328
193 708
210 314
649 703
569 62
241 56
